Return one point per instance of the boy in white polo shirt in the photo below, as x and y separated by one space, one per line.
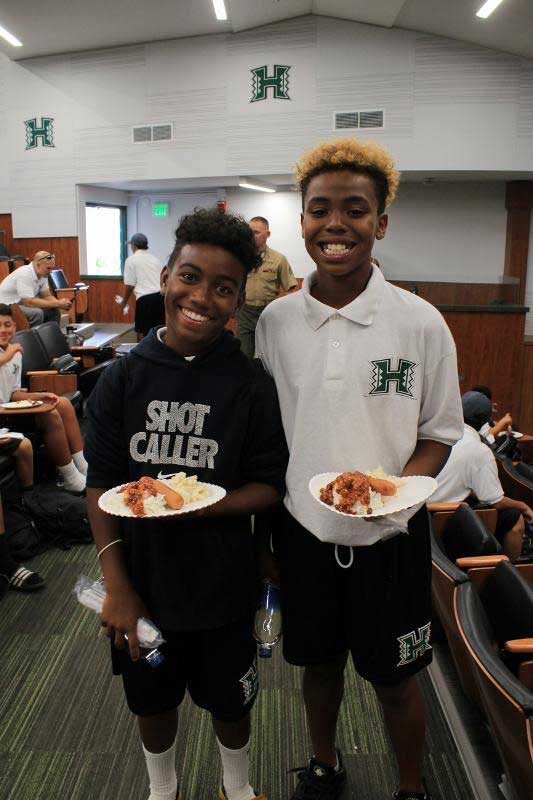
367 376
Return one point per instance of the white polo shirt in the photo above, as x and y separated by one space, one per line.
22 283
10 377
142 270
471 467
358 386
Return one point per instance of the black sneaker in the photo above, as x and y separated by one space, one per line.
410 796
319 781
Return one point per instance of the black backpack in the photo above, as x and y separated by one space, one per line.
60 517
24 538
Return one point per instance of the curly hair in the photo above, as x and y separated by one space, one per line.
369 158
215 227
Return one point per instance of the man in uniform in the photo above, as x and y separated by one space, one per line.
262 286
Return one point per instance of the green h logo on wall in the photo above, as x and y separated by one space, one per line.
278 82
383 376
43 133
414 644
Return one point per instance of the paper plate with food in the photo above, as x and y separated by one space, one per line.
369 494
22 404
164 496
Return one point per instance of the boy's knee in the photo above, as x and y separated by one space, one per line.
396 696
328 671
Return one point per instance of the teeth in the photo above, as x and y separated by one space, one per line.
193 315
335 248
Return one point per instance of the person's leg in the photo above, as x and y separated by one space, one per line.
13 575
35 316
73 433
246 325
404 714
233 739
58 450
323 688
23 456
510 530
158 735
52 315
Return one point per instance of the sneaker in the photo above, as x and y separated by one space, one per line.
319 781
222 795
410 796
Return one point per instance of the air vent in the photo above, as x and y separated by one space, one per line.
356 120
143 134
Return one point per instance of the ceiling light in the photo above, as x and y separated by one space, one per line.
220 9
487 8
246 185
9 37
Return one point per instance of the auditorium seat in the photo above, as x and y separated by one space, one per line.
495 619
37 376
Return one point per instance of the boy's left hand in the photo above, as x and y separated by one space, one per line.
46 397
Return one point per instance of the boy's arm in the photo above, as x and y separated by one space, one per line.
122 605
252 498
428 458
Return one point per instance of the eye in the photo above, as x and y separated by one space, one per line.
318 212
356 212
188 277
225 291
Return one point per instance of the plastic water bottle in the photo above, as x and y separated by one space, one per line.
267 627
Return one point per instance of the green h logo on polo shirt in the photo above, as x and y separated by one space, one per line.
413 645
382 376
43 133
278 82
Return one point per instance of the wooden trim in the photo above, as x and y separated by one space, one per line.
518 202
519 646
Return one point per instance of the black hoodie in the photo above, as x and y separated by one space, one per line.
216 417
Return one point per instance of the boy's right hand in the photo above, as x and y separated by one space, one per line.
11 349
120 613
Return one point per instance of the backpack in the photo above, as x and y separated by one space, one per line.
60 517
24 538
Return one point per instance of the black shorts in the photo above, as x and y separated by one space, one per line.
378 609
507 519
149 312
23 423
218 667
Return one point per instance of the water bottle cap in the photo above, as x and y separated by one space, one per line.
265 652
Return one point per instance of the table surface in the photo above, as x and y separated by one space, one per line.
34 410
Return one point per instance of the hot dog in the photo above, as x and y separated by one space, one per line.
173 499
382 486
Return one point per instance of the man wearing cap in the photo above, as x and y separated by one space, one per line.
142 272
471 468
262 286
28 286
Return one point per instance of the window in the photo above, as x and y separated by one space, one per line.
105 233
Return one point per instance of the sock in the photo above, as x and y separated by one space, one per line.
74 480
235 772
162 773
80 462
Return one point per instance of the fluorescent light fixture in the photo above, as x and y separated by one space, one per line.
220 9
9 37
487 8
246 185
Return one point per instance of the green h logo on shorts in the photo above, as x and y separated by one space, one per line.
383 376
413 645
43 132
262 82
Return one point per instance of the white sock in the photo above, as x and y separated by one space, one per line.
74 480
162 773
80 462
235 772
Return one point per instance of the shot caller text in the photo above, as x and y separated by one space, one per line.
173 435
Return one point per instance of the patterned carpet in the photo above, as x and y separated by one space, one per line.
66 733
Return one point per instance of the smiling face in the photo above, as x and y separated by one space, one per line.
203 291
7 329
340 222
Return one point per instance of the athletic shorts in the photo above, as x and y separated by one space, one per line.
217 667
507 519
378 608
149 312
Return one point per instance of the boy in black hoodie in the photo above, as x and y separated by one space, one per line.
187 399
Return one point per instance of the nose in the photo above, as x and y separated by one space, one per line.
335 220
199 294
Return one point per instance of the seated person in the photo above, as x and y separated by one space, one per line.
471 468
60 429
491 429
13 575
28 286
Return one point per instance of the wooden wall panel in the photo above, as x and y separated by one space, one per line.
526 406
6 232
65 249
490 351
102 306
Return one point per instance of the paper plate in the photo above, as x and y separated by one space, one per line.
414 489
515 434
23 404
216 493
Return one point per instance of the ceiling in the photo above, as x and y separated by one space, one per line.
49 27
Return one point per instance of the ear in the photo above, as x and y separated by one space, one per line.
383 221
164 279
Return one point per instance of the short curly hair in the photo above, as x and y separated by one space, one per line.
369 158
215 227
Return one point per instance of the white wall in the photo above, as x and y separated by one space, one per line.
444 232
448 106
